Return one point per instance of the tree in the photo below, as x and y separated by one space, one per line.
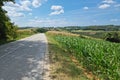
113 37
41 30
6 27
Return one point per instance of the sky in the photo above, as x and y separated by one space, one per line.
52 13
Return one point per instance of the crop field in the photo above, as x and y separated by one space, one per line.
100 57
95 34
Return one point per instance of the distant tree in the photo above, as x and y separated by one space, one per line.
113 37
41 30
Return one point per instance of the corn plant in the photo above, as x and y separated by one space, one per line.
100 57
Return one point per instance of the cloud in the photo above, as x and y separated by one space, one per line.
114 20
57 9
36 3
104 6
21 7
17 9
108 1
15 14
47 22
14 10
25 5
85 8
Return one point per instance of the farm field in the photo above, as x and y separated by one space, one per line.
95 34
99 58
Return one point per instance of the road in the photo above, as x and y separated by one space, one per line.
24 59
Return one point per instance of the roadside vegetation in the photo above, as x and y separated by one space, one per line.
99 58
20 33
78 56
8 30
63 66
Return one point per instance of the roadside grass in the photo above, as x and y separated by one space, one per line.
20 34
24 33
63 65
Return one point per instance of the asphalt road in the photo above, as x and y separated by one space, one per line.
24 59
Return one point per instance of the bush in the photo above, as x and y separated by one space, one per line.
41 30
113 37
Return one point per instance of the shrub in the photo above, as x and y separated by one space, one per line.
113 37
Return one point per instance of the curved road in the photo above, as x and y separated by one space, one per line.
24 59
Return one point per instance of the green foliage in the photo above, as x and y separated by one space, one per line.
11 31
94 34
7 29
113 37
100 57
41 30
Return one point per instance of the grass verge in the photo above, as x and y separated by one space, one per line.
20 34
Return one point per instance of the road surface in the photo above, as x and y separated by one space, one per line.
24 59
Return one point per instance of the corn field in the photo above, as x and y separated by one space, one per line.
100 57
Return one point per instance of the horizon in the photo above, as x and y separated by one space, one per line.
46 13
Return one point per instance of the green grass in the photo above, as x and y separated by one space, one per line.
100 57
24 33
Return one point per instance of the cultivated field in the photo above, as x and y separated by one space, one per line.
100 57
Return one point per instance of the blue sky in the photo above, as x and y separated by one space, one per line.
42 13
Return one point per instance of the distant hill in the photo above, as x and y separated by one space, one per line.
96 27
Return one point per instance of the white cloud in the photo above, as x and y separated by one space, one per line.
10 6
16 9
57 9
57 12
104 6
25 5
15 14
108 1
48 22
114 20
36 3
85 8
21 7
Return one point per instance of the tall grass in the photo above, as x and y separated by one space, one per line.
19 35
24 33
100 57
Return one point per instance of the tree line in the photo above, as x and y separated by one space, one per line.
7 28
